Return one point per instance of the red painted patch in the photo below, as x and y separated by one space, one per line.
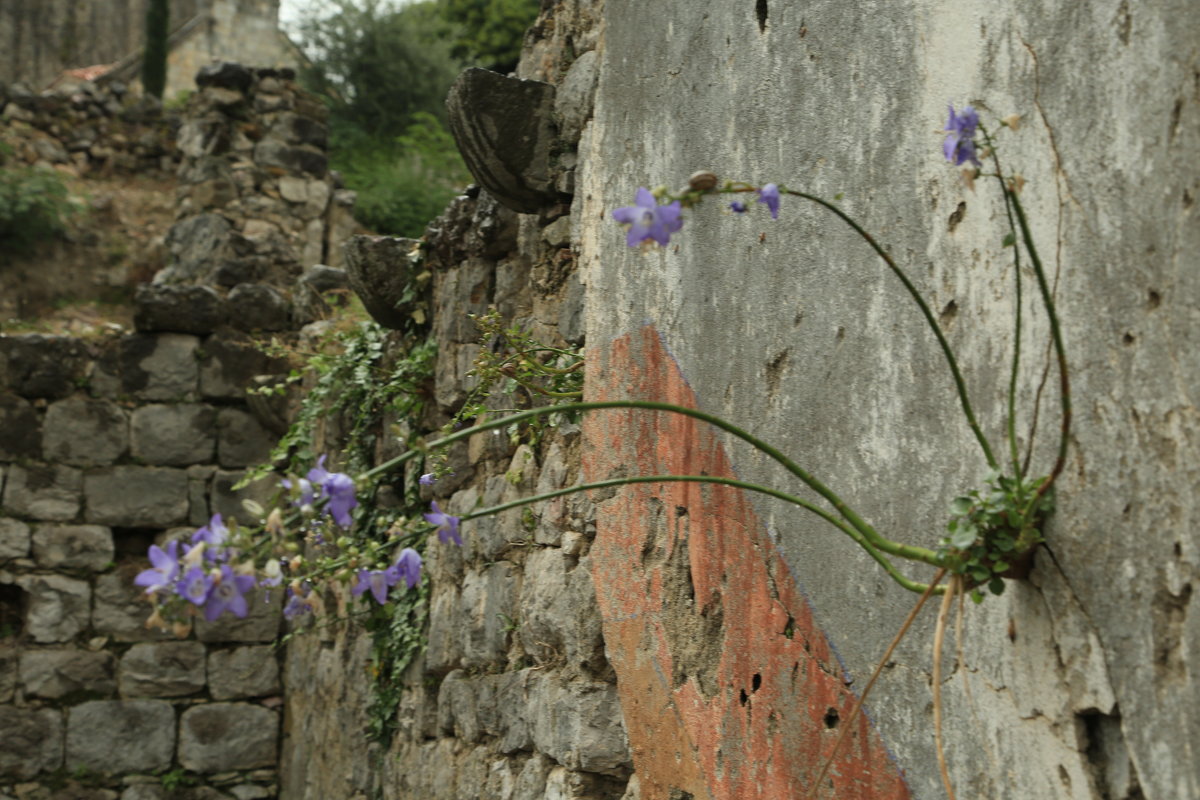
773 685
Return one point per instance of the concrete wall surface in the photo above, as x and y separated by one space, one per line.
1080 680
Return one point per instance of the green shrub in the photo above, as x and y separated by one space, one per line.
34 206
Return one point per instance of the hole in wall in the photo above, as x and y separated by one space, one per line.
1128 338
745 698
755 682
948 313
12 610
760 11
832 718
956 216
1153 299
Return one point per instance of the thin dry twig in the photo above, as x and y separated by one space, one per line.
815 789
939 635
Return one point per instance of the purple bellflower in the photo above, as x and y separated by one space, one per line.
376 580
959 146
447 526
427 479
737 208
406 568
165 568
297 603
195 585
229 595
769 195
214 535
339 488
648 221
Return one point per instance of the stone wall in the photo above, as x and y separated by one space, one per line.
106 447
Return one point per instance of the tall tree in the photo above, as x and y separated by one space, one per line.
490 32
154 56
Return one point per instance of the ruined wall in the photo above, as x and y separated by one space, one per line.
1082 679
106 447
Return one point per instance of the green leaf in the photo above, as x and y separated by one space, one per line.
996 586
1010 239
961 505
963 538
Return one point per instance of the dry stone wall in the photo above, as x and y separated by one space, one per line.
106 447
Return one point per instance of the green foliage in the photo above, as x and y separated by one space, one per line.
176 778
397 632
377 66
405 183
490 32
34 206
989 529
154 55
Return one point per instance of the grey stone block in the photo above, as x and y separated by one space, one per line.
178 309
444 651
241 440
43 366
43 491
504 128
87 547
228 503
261 624
162 669
159 366
559 615
59 607
33 741
488 597
573 99
173 435
8 671
243 672
579 725
459 292
299 159
198 246
226 736
54 674
141 497
14 538
228 364
120 609
116 736
85 432
258 307
20 428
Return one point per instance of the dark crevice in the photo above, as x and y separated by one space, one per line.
760 10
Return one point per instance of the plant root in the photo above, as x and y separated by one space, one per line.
939 635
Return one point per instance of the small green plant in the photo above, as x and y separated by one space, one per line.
177 778
35 205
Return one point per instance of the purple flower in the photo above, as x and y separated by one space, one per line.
447 526
406 568
427 479
769 194
165 569
959 146
376 580
228 595
339 488
213 534
194 586
297 604
318 474
647 220
737 208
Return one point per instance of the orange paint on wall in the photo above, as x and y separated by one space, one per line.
728 687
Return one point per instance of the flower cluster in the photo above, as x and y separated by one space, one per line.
215 569
652 222
959 145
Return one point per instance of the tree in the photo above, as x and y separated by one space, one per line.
489 32
154 55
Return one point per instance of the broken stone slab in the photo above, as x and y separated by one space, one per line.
216 737
198 246
382 270
84 432
115 736
162 669
504 128
137 497
177 309
88 547
54 674
33 741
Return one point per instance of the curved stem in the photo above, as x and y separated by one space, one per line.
959 384
839 505
939 634
1059 349
904 551
1014 451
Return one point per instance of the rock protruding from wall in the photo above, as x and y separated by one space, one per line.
256 200
107 447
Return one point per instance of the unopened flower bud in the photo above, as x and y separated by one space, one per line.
274 523
1013 121
702 181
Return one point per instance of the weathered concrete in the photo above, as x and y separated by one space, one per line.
1080 679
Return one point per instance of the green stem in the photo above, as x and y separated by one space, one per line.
839 505
1059 349
959 384
903 551
1014 452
